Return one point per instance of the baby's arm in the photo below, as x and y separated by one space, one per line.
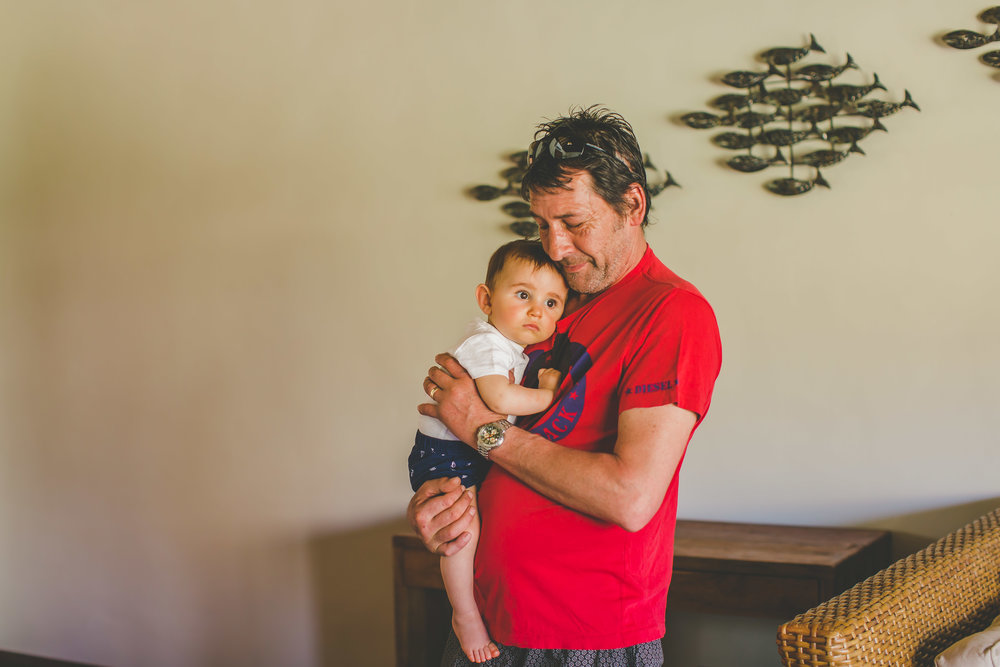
505 397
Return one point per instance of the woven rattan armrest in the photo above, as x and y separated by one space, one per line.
906 614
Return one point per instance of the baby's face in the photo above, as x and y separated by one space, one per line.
526 302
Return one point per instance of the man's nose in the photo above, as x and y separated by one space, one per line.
557 244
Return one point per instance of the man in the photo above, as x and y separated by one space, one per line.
579 509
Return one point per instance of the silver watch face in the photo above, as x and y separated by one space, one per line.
490 435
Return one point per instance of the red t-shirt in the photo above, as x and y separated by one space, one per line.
548 576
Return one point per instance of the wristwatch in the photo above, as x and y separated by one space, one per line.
490 436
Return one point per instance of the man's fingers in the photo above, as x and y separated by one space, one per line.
455 533
428 409
438 514
450 365
453 547
429 386
437 486
446 518
432 488
434 501
441 512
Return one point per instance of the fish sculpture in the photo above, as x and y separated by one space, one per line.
742 79
804 97
783 137
849 134
667 182
751 119
733 102
513 174
792 186
489 192
751 163
702 120
879 109
822 158
816 113
969 39
787 55
517 209
819 72
784 97
733 140
991 15
846 93
524 228
992 58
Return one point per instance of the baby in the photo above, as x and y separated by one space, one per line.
523 298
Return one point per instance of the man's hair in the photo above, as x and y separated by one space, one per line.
614 166
523 249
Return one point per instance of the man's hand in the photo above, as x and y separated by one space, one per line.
441 512
458 405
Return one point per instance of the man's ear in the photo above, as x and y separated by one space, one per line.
636 199
483 298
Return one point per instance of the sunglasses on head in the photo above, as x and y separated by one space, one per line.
565 148
560 148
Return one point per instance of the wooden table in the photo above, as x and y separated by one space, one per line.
726 568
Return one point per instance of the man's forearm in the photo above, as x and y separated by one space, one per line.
589 482
626 486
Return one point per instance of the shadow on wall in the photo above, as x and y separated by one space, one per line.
352 589
913 532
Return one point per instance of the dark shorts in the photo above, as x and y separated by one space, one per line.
649 654
432 458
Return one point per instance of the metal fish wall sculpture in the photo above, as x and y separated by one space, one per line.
795 186
798 112
784 55
820 72
881 109
970 39
733 102
967 39
845 93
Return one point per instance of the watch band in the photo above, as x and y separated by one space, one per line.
489 436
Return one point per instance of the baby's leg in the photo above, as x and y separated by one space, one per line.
457 572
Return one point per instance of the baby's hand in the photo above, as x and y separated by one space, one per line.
548 378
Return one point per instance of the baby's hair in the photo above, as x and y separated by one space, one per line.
523 249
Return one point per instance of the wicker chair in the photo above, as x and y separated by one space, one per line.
909 612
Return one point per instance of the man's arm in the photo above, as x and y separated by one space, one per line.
625 486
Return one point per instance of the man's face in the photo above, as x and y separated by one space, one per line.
581 231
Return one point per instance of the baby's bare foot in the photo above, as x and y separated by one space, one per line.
473 637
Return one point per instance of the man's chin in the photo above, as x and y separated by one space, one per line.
584 285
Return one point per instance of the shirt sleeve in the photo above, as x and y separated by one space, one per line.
482 354
676 358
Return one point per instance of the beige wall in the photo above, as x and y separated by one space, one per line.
223 226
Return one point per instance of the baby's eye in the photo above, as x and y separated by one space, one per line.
521 294
551 303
